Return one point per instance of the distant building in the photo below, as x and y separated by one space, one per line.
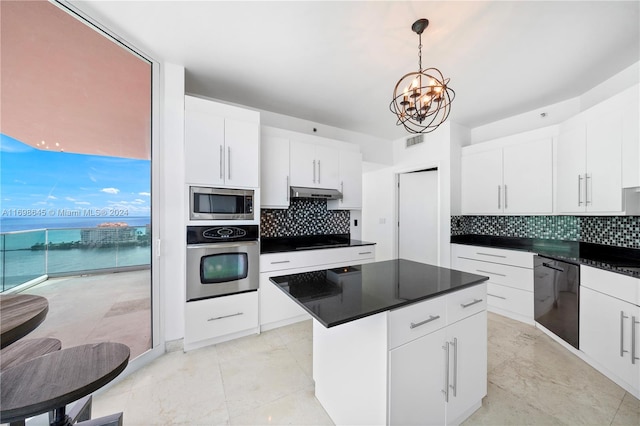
104 233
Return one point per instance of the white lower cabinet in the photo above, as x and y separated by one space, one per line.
440 377
276 308
510 272
219 319
610 325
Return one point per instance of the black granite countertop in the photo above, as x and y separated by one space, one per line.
339 295
620 260
308 242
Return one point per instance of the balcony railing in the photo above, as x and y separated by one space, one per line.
28 255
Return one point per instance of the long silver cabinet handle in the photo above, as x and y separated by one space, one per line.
221 163
499 197
497 297
586 190
229 162
492 255
342 190
431 318
314 171
622 317
633 340
579 190
455 365
471 304
505 197
365 252
225 316
318 171
280 261
446 373
492 273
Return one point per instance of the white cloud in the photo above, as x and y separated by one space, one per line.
52 197
83 203
110 190
69 199
40 203
146 194
138 201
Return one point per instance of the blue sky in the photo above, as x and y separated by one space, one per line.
38 179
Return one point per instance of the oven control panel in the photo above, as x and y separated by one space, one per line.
222 233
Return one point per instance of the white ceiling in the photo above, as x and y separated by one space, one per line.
337 62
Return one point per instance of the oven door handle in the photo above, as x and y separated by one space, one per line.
546 265
222 245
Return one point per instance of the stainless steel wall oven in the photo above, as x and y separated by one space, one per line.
221 260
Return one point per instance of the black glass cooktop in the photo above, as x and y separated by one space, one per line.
339 295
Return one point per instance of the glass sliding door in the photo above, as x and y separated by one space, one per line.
75 176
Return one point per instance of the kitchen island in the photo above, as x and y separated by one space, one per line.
395 342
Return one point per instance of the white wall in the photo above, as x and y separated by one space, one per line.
440 149
172 211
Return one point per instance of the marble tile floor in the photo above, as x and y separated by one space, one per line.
112 307
266 380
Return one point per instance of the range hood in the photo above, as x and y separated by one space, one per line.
317 193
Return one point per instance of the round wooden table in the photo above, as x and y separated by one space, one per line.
19 315
50 382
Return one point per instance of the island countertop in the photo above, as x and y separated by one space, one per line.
340 295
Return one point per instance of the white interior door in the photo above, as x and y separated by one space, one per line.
418 216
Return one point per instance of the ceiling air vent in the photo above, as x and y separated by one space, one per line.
415 140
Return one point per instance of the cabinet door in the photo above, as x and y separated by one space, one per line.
302 166
605 334
467 365
204 145
482 183
417 380
274 172
572 160
327 167
241 153
350 182
604 164
528 172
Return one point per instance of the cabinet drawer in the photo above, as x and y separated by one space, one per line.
463 303
523 259
512 276
413 321
302 259
510 299
206 319
620 286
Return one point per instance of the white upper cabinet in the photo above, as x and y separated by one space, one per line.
590 166
274 172
314 166
350 182
221 144
514 179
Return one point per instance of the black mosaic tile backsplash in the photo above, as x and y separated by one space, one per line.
622 231
304 217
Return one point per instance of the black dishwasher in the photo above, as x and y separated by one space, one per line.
556 295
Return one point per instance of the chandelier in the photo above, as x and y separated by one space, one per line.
424 101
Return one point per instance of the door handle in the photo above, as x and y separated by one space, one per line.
471 303
496 296
579 190
318 171
555 268
446 373
586 189
225 316
431 318
622 317
229 162
455 365
505 200
314 171
633 340
499 197
221 163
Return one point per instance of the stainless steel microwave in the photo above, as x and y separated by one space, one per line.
220 203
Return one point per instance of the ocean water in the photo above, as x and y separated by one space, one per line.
19 264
